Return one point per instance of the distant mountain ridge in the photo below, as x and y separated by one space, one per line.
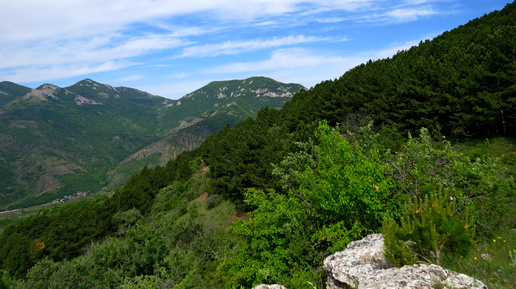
87 136
10 91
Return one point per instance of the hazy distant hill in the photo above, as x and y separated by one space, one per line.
55 141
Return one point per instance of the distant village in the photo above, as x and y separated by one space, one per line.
71 197
59 200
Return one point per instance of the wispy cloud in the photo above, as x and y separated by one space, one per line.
46 40
410 14
279 59
176 88
26 20
97 49
233 47
306 66
33 74
179 75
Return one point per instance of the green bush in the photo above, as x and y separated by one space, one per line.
429 228
484 185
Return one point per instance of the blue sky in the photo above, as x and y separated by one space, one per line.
171 48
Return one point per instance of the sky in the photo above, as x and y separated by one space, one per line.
171 47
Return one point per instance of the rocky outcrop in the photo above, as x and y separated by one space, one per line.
363 265
275 286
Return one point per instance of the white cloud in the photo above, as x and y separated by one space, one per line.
410 14
27 20
293 65
97 49
176 88
42 40
36 74
233 47
304 66
280 59
331 19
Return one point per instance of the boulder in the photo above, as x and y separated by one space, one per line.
274 286
364 265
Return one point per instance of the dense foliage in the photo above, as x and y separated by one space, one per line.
266 200
429 229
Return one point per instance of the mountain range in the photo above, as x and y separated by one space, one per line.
55 141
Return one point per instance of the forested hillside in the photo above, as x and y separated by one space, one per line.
58 141
267 200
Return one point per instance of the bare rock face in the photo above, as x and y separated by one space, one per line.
363 265
275 286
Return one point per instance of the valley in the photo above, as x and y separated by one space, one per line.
57 141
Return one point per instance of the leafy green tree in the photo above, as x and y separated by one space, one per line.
483 185
340 193
348 183
276 242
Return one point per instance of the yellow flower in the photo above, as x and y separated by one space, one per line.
494 240
475 258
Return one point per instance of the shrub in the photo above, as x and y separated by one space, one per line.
429 227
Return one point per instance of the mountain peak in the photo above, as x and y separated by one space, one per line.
87 82
253 87
47 90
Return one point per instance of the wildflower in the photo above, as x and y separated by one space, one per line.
494 240
475 258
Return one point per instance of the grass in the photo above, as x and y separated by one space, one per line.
494 259
500 147
492 262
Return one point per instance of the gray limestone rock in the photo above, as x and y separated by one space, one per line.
274 286
363 265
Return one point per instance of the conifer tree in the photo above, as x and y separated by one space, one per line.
429 229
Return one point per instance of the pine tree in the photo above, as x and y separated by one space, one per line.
429 228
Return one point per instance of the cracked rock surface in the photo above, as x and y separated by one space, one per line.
363 265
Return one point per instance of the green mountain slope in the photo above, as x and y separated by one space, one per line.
234 97
10 91
55 141
462 83
210 108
